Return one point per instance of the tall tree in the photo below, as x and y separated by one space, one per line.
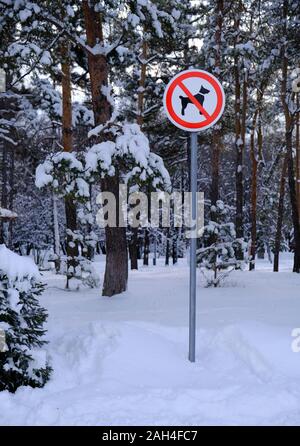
116 268
286 101
67 142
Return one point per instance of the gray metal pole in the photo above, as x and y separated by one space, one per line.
192 310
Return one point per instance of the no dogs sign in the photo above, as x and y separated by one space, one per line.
194 100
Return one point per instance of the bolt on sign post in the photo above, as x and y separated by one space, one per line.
194 100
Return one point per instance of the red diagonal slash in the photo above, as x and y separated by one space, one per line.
194 101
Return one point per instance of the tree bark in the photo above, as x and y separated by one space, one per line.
146 248
133 247
297 144
11 195
289 125
116 267
174 248
239 141
294 204
167 259
280 214
254 156
216 136
4 192
67 142
56 233
147 233
253 204
142 84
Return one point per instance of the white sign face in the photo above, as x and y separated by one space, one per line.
194 100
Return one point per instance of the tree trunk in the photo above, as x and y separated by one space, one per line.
67 142
142 84
155 249
67 137
167 249
253 208
294 204
116 267
239 141
254 156
56 234
146 248
4 192
216 137
11 195
147 233
133 249
297 145
289 125
174 249
280 214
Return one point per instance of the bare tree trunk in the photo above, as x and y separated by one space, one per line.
67 142
239 141
147 233
280 214
289 124
174 248
254 156
11 194
116 268
4 192
294 204
146 247
253 203
216 137
67 137
133 248
297 144
167 260
155 249
142 84
56 234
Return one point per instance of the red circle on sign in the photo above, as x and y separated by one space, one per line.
176 83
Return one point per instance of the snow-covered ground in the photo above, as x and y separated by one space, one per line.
123 360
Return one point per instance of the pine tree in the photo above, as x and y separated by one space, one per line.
219 247
23 363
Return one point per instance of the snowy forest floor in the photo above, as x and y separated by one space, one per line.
123 360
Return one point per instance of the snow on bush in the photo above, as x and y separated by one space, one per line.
64 172
21 318
5 213
131 149
220 247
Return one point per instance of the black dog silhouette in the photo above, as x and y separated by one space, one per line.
199 97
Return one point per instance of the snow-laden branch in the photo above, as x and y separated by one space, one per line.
38 60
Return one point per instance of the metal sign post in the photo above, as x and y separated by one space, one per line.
194 100
193 247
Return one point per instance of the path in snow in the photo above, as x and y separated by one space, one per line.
123 360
